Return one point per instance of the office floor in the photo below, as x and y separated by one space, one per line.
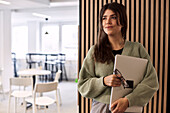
68 92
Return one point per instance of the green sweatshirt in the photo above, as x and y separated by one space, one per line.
90 83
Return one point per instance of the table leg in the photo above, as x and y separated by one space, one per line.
34 80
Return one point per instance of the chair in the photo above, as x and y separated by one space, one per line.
14 64
1 88
61 61
57 76
20 93
30 62
44 100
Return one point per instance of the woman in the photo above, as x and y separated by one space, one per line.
96 75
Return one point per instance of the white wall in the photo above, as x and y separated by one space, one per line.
5 47
33 36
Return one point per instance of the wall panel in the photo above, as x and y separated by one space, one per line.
148 23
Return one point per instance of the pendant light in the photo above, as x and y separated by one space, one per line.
46 33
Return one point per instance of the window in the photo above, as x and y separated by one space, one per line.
53 43
70 41
50 39
20 41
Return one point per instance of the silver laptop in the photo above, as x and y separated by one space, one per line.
132 70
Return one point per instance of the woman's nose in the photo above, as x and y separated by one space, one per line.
108 21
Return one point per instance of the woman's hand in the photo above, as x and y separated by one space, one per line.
112 80
120 105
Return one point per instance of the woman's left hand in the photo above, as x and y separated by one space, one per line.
120 105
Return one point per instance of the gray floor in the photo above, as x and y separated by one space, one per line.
68 92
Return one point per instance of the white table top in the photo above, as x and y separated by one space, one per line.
31 72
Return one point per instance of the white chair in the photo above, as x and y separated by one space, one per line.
18 90
44 100
1 88
57 76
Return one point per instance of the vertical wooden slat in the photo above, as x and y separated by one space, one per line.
100 5
146 37
87 42
87 24
127 11
146 24
90 103
161 57
109 1
132 20
86 99
82 105
113 0
95 22
137 21
82 49
118 1
82 32
91 23
156 49
151 30
123 2
142 21
166 57
104 2
151 42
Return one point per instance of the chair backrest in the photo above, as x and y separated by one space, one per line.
45 87
20 81
57 76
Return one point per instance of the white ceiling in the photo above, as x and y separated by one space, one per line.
22 4
64 10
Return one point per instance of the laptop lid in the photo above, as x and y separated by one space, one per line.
133 70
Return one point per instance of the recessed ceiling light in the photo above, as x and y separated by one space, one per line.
4 2
41 15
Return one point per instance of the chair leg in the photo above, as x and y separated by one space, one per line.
25 107
59 96
15 105
58 106
45 109
3 92
57 102
9 103
34 108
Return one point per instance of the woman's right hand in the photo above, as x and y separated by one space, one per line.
112 80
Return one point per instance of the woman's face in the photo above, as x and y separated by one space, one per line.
109 23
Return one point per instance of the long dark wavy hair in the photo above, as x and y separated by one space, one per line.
103 49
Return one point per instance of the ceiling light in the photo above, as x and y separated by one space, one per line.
41 15
55 4
4 2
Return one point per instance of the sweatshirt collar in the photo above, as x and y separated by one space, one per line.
126 48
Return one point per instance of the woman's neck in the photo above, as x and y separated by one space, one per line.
117 42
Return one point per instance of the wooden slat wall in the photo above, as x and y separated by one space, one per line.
148 23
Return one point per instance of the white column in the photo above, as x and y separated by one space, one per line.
5 48
1 39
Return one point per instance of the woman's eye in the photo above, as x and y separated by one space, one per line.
114 17
103 18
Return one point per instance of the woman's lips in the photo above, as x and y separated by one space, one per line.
109 27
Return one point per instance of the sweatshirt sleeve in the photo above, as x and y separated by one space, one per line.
145 90
89 85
